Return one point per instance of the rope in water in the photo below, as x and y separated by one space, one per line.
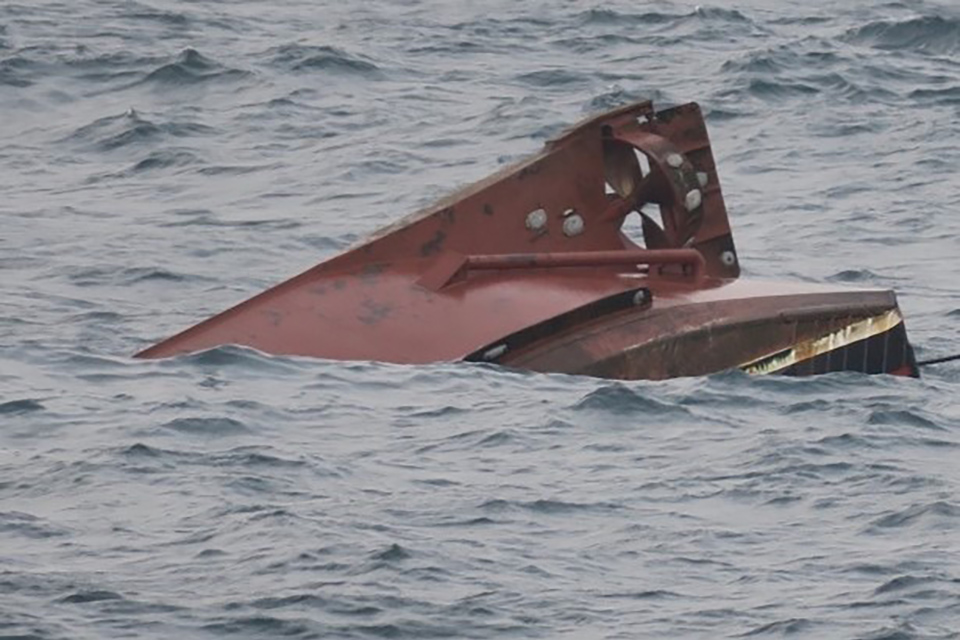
924 363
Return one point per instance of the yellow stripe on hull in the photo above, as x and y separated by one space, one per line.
807 349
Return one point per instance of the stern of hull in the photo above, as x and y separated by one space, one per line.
737 327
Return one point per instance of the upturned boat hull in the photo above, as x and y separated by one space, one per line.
532 268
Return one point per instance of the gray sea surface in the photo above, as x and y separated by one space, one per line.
161 160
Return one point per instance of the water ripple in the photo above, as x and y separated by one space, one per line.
936 34
162 161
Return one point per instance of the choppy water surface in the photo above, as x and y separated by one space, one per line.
161 160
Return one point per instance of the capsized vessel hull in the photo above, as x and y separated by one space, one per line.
532 268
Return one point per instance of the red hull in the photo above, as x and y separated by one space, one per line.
530 268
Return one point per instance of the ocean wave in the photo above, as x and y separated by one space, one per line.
558 77
938 35
546 506
619 399
242 359
780 90
903 416
266 626
854 275
115 70
613 17
165 159
106 67
18 407
939 514
320 58
947 96
191 68
700 14
91 595
813 66
17 71
904 582
782 628
215 426
97 276
131 128
167 18
617 96
14 523
789 57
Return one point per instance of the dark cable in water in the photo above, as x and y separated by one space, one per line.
923 363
